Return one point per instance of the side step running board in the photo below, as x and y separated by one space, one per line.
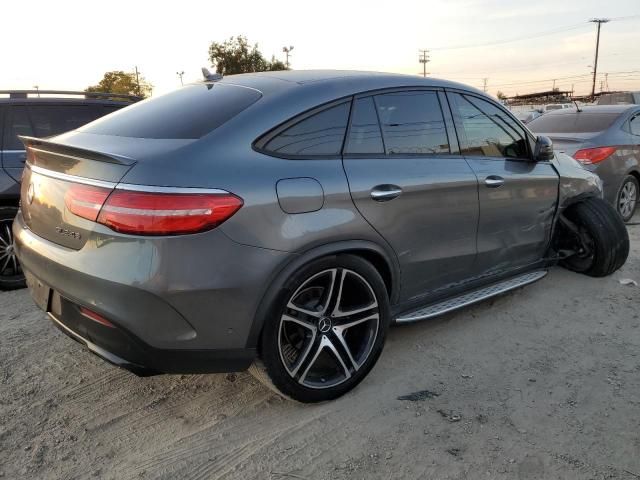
471 297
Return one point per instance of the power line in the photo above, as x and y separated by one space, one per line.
528 37
516 39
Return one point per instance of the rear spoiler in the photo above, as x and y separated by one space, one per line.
60 150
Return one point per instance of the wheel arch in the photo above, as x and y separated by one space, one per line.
383 261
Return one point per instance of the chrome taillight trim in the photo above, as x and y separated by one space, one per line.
157 189
124 186
71 178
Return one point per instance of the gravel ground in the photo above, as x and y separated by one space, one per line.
543 382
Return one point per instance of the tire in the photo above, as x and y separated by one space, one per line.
627 198
607 239
11 275
325 331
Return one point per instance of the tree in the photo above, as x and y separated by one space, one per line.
501 96
235 55
125 83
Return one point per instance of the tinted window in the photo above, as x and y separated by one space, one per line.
364 135
321 134
573 122
487 130
634 125
190 112
17 123
412 123
55 119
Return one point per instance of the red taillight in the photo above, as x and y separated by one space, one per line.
147 213
590 156
85 200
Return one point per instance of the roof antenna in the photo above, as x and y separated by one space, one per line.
210 77
577 106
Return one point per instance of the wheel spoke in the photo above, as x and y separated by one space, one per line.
15 265
299 321
342 349
342 357
351 321
6 262
325 343
332 296
9 235
3 241
308 358
296 308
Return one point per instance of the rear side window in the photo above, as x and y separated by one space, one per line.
634 125
321 134
17 123
412 123
188 113
573 122
486 130
364 134
55 119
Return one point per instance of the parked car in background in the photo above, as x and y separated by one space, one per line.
619 98
555 106
41 113
290 217
606 140
527 116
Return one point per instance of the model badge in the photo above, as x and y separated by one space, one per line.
68 233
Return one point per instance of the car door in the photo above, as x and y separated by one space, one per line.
409 182
518 196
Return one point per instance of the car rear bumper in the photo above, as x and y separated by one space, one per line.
189 316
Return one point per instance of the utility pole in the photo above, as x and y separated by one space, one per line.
138 80
484 84
606 82
424 59
554 84
180 74
598 21
287 52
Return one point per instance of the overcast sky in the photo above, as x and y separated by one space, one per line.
70 44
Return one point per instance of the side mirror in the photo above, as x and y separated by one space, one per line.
544 149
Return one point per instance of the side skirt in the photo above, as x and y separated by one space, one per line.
468 298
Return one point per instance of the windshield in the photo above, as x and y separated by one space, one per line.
576 122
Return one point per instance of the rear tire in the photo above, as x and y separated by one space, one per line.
607 245
627 199
325 331
11 274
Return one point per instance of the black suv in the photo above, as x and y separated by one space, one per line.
38 113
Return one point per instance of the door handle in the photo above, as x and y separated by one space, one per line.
494 181
384 193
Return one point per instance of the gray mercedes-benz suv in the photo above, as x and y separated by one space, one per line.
284 220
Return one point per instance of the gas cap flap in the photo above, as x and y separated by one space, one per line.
300 195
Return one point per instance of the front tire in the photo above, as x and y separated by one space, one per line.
627 199
604 241
326 329
11 275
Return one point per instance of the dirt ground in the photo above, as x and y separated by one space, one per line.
543 382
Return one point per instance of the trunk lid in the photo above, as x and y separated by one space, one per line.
571 143
52 170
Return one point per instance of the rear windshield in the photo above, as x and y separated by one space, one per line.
582 122
188 113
